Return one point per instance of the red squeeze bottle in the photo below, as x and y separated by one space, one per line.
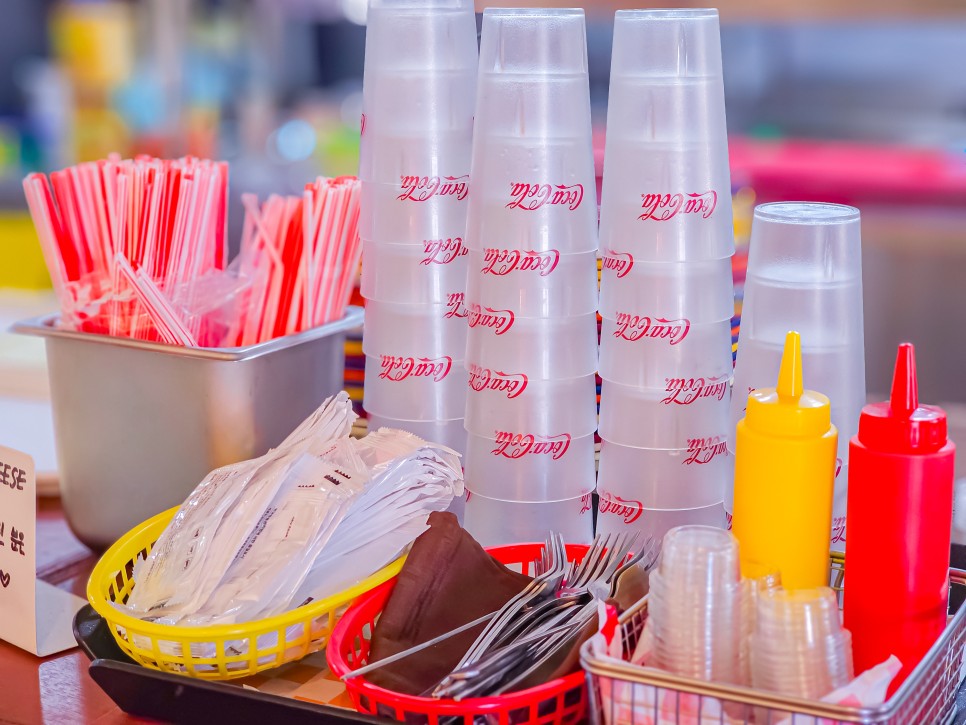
899 516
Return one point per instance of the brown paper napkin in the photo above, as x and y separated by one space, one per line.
447 581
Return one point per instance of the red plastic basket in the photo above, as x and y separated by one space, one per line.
558 702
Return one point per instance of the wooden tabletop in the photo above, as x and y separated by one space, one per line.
55 689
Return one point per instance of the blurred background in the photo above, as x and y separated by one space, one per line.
854 101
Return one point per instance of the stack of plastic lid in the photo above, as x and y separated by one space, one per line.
417 127
666 296
532 284
805 274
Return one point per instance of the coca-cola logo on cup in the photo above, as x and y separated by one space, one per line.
629 510
704 450
633 327
729 519
511 384
586 501
531 197
397 368
455 306
661 207
838 530
838 467
497 320
443 251
518 445
362 125
684 391
503 261
423 188
619 262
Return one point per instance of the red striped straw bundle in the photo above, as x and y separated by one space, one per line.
137 248
302 255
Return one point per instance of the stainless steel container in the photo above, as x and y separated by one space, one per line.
138 424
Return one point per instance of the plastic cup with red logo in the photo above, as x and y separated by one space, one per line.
531 301
533 284
805 273
494 522
419 98
666 292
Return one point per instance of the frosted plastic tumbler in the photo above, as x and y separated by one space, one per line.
666 193
414 274
545 349
685 410
701 291
493 522
497 400
425 331
530 467
450 433
534 284
407 387
664 479
643 349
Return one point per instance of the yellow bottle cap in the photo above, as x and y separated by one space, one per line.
789 411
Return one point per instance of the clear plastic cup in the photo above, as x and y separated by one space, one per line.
542 349
394 157
534 194
686 413
667 110
493 522
642 349
534 284
501 400
414 274
415 208
411 388
421 331
701 291
662 479
617 515
420 35
450 433
530 467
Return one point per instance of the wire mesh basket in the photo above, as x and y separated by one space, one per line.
625 694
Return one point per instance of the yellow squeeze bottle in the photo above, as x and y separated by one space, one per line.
784 477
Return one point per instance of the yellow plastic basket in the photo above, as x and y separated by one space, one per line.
219 652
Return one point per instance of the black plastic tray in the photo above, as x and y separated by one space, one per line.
147 693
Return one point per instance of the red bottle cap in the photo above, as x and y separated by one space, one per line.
901 425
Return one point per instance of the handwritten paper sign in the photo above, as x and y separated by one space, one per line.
33 615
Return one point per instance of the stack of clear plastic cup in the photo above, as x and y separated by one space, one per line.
757 578
799 648
805 274
695 604
417 129
531 294
666 291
